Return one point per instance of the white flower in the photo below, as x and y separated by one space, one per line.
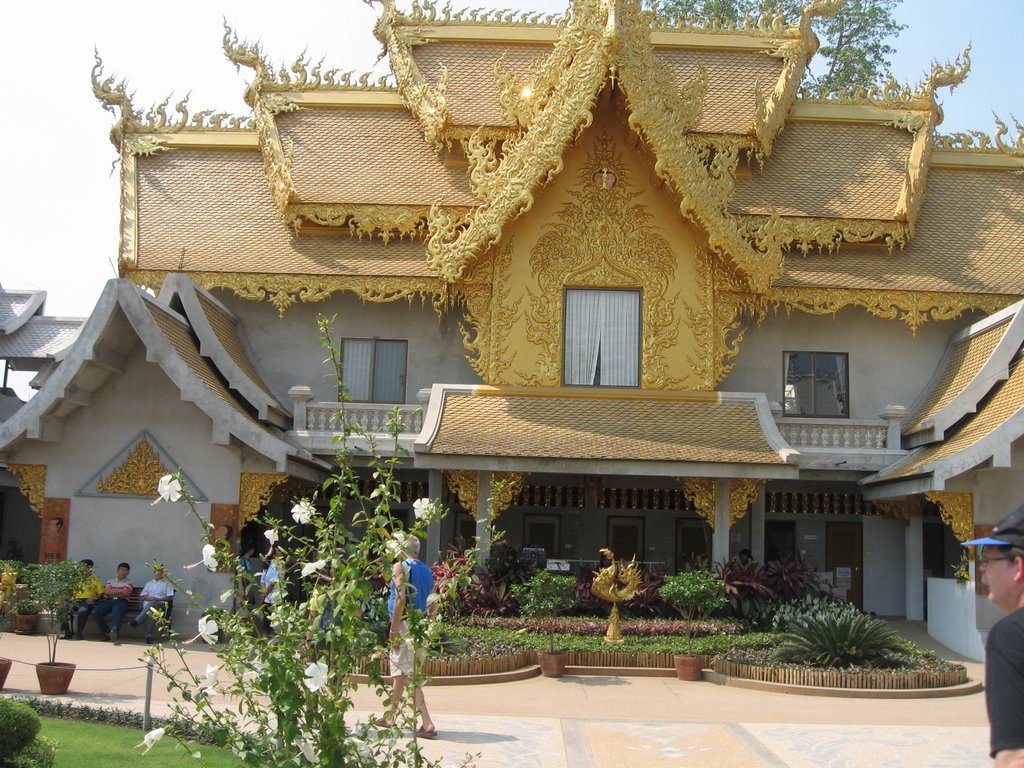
210 681
303 512
309 749
208 630
271 535
150 739
168 489
309 568
316 676
420 507
210 557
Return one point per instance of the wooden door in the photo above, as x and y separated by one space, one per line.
844 555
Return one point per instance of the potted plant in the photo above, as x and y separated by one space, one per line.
52 589
545 596
26 612
695 595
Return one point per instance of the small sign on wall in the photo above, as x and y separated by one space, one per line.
844 578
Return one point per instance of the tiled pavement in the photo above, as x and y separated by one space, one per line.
578 721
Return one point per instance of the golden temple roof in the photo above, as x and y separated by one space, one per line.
837 170
595 426
203 210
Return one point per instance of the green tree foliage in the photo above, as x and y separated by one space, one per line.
855 46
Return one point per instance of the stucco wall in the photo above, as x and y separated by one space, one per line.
110 529
289 348
888 365
884 569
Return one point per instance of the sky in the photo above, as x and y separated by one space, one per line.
60 201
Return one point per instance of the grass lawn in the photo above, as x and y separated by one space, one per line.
89 745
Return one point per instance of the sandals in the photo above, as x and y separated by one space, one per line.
423 733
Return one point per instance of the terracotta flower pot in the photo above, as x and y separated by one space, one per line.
552 664
689 667
5 667
25 624
54 679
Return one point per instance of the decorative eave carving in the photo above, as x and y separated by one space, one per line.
277 158
299 77
702 178
129 131
505 487
741 495
807 234
32 483
1017 149
254 491
795 52
956 510
284 290
427 12
912 307
137 475
701 492
763 25
383 221
428 103
532 158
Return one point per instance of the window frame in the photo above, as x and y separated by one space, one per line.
373 367
814 399
640 333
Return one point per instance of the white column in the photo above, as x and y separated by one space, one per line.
914 544
720 539
483 515
432 550
757 525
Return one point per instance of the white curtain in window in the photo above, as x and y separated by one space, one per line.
842 402
357 362
389 372
582 335
620 337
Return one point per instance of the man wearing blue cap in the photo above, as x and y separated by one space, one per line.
1001 565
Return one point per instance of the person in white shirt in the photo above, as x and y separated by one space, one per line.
157 593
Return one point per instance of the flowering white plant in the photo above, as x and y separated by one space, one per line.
168 489
303 512
150 739
316 676
309 568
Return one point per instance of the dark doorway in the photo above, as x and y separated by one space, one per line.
844 555
693 544
779 540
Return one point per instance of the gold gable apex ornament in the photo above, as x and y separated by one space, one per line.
137 475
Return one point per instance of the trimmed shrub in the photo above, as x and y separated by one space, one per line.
41 753
18 726
838 641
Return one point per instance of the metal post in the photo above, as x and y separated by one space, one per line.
147 720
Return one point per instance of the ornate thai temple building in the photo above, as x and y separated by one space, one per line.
627 284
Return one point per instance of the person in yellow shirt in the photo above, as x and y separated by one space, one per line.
85 599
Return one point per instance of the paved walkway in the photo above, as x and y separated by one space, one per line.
580 721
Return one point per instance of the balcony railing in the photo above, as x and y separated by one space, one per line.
373 418
835 433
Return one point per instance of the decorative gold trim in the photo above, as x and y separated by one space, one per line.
581 58
277 158
956 510
32 484
114 97
505 487
490 314
428 103
701 491
300 78
893 508
912 307
426 12
663 115
770 115
254 491
383 221
751 25
1017 149
807 234
741 495
285 290
592 242
137 475
129 241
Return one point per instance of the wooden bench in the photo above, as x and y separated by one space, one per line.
134 606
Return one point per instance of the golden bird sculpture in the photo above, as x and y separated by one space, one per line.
615 583
7 584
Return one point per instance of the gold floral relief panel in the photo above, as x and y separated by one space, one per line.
604 222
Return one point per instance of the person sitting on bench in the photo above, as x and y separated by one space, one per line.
155 596
115 602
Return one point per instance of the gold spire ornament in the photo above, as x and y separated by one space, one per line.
615 583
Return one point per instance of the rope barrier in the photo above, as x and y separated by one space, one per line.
83 669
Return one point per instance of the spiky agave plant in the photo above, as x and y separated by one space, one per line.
838 640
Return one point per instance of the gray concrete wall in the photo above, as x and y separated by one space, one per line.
290 353
888 364
110 529
884 570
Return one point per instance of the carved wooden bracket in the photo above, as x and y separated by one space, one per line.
956 510
32 484
254 491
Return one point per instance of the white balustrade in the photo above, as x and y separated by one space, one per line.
373 418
